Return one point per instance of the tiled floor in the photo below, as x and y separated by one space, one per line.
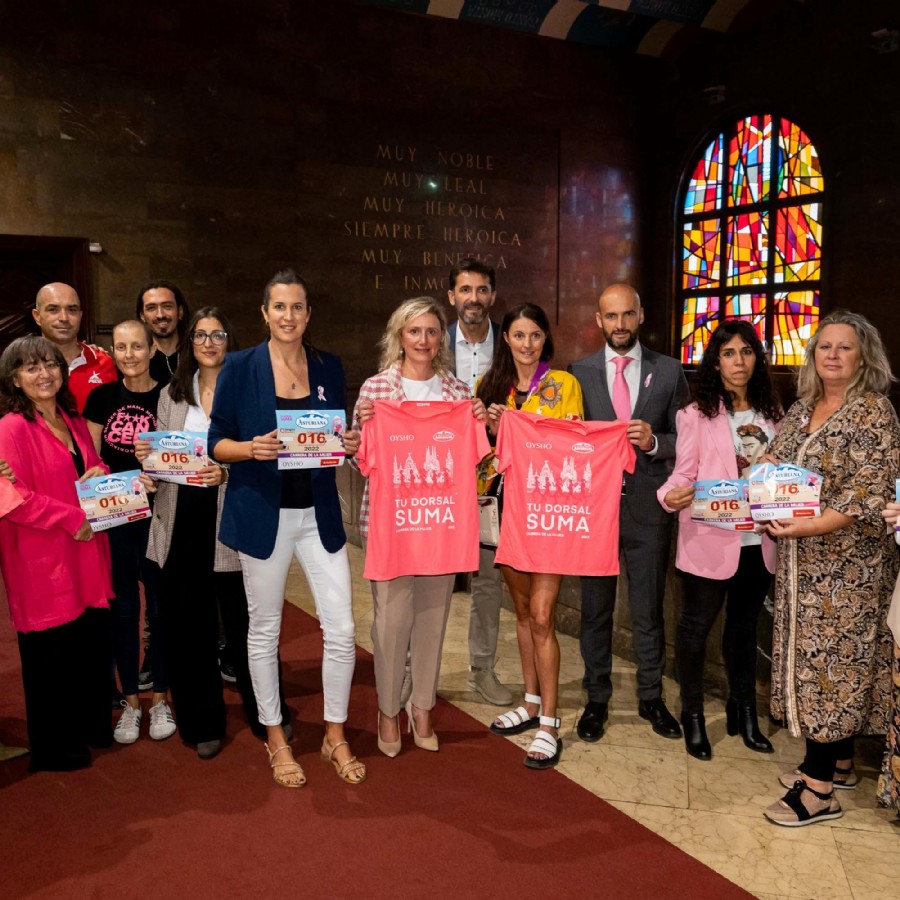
711 810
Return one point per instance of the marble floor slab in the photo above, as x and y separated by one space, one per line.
711 810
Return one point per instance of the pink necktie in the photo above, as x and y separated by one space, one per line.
621 396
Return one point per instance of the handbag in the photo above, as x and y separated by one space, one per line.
490 510
488 521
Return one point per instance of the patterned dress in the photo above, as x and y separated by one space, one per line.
832 651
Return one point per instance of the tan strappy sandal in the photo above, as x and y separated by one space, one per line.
352 771
287 774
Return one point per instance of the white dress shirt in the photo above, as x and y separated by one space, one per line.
473 360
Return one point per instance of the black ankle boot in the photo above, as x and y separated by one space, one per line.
695 740
741 719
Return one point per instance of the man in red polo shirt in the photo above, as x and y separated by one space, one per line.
57 311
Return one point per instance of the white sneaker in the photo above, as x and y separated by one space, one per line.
128 728
162 724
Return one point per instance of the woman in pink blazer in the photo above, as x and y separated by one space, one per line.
57 572
723 432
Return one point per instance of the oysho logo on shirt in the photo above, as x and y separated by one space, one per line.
402 437
443 436
531 445
583 447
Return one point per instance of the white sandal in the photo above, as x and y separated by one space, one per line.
546 744
517 720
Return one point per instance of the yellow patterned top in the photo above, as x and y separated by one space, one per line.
557 395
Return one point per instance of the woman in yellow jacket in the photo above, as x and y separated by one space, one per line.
520 377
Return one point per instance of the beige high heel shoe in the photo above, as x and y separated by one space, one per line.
423 743
388 748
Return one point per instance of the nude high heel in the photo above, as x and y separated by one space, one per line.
388 748
423 743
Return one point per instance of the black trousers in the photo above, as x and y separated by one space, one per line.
821 757
64 722
645 549
743 596
128 549
190 597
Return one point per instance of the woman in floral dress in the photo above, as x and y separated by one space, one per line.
831 646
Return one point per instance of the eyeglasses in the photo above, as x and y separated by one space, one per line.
217 337
48 365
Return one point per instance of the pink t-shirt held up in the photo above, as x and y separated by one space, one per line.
561 493
420 458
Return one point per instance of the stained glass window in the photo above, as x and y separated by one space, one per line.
751 220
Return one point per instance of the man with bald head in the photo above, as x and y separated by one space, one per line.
57 311
630 382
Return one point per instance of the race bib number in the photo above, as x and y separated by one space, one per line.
784 491
111 500
311 439
722 503
176 456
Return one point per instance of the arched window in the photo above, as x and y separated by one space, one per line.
751 223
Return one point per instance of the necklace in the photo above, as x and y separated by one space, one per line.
168 365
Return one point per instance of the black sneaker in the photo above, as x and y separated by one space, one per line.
227 671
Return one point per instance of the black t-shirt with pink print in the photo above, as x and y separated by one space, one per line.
124 415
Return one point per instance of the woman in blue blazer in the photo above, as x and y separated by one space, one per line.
270 515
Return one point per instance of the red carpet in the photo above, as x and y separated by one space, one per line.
151 820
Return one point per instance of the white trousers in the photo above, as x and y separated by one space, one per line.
328 575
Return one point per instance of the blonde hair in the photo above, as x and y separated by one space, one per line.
873 375
391 341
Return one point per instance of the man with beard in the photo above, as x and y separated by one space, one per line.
629 382
472 292
162 307
57 311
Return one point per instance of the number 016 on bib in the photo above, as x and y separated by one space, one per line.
311 438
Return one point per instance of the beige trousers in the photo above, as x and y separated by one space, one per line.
410 614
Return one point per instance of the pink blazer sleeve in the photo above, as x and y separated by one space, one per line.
687 454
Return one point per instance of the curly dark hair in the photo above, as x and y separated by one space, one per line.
709 391
501 377
23 352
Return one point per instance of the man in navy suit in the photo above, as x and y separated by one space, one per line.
473 337
647 389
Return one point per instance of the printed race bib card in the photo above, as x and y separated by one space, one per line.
176 456
897 526
784 491
722 503
111 500
312 438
